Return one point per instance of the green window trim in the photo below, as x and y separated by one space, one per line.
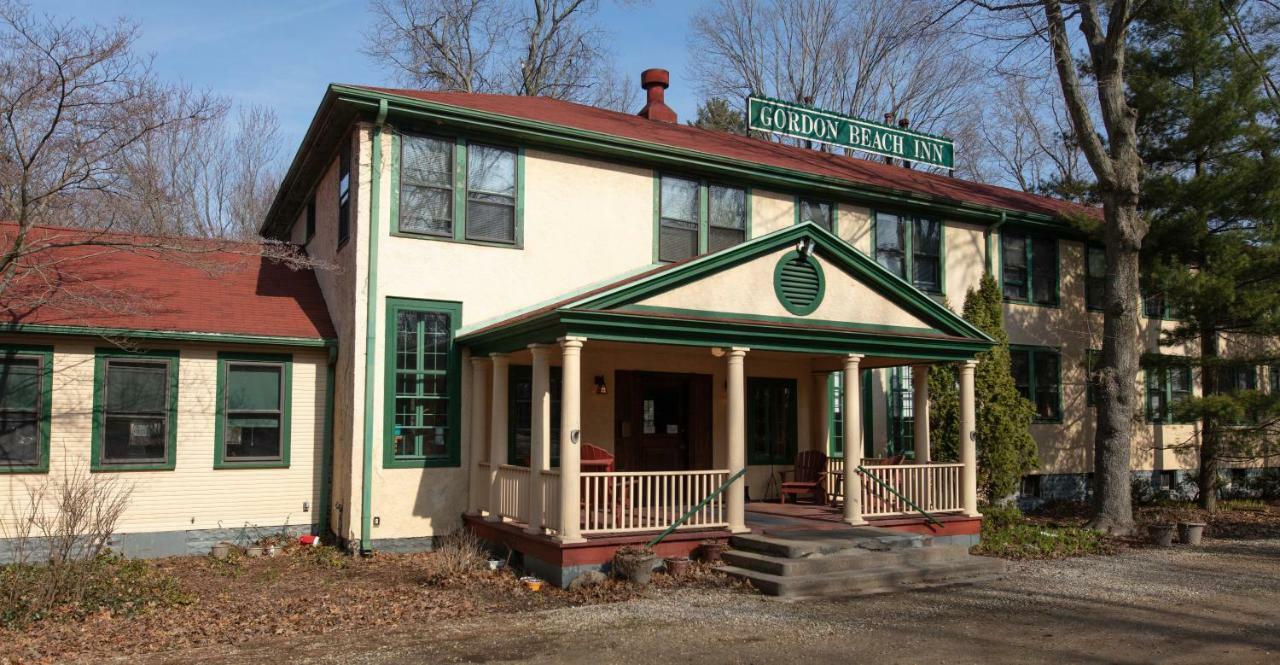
1273 379
835 423
909 248
1163 311
44 355
704 212
800 291
900 414
453 449
1028 282
835 211
102 358
1034 359
516 374
756 453
1156 381
225 361
461 153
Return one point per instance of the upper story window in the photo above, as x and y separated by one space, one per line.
1156 306
822 213
1166 386
344 193
453 189
1095 276
696 217
1029 268
1036 373
910 248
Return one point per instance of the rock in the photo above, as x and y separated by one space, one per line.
588 579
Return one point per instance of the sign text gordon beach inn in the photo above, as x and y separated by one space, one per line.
803 122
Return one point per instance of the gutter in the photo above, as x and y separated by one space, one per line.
371 315
326 459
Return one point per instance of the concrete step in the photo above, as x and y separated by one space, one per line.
872 580
802 544
849 560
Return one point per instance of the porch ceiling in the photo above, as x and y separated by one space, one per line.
727 299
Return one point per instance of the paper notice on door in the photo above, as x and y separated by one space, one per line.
673 429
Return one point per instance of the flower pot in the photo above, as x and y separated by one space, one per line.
1161 534
638 568
1189 533
271 550
255 551
713 552
677 566
222 550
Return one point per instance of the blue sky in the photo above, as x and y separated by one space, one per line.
282 53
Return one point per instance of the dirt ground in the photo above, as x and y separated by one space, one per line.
1216 603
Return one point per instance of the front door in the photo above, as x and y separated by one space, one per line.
663 421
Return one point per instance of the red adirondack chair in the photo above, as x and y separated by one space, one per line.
809 477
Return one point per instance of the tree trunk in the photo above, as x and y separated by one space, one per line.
1112 501
1208 476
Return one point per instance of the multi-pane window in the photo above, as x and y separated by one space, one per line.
910 248
1095 276
821 213
696 217
901 400
1273 374
1029 267
1155 305
678 219
24 410
835 392
135 419
253 410
771 421
520 414
434 189
726 217
1166 386
1093 360
1037 376
344 192
423 380
1237 376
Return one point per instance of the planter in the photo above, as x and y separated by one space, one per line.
222 550
677 566
255 551
1189 533
713 550
1161 534
634 564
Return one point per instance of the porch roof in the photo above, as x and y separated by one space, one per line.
715 300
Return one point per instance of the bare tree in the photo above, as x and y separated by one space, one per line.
1028 139
865 58
547 48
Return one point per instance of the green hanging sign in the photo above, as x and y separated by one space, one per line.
805 122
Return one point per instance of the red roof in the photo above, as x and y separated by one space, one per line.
162 284
743 148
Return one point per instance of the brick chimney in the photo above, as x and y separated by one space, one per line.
655 83
905 123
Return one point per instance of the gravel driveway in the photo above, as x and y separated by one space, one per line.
1217 603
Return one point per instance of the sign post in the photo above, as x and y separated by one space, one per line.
805 122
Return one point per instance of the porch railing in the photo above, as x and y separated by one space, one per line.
513 492
936 488
550 481
632 501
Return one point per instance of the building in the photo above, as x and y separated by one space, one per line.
518 283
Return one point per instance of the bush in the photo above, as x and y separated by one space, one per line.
107 583
1007 534
459 555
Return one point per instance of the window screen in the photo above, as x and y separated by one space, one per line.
727 222
491 194
677 219
426 186
21 397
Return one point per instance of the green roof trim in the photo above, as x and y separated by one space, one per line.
177 336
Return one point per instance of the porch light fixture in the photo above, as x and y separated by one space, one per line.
805 247
601 388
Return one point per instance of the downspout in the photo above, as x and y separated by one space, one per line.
990 231
370 358
326 459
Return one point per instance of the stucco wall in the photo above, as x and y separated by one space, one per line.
194 496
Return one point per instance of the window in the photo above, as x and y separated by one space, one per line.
1237 376
835 393
311 220
1092 359
910 247
695 217
1037 376
901 412
253 410
25 394
135 410
1095 276
1273 373
453 190
344 192
771 421
1166 385
421 401
1155 305
821 213
1029 268
726 217
520 414
1030 487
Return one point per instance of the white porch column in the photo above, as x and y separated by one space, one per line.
737 430
920 412
497 432
820 413
968 434
853 444
570 439
479 439
539 432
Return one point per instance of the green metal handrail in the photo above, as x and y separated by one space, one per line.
931 519
701 504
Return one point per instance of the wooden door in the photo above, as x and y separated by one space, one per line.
662 421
